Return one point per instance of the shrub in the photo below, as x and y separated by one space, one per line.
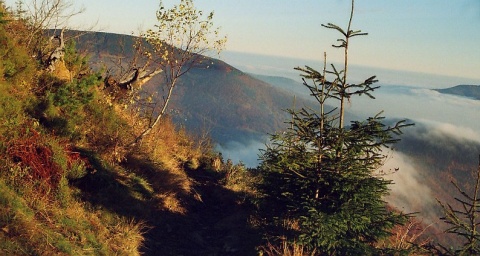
75 94
30 151
15 63
105 130
11 112
61 106
76 63
240 179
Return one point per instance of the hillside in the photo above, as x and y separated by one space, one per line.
469 91
70 184
233 104
220 99
287 84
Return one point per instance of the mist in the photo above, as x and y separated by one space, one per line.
444 143
284 67
409 193
243 152
420 104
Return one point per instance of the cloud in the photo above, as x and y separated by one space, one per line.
425 106
246 152
443 133
445 98
409 193
435 131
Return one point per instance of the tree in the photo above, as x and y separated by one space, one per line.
463 222
39 15
321 177
15 61
2 13
182 38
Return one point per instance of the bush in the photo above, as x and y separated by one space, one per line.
61 105
32 152
15 63
11 112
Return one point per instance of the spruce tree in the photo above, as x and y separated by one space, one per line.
321 182
463 220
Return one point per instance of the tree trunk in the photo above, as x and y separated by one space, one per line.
157 119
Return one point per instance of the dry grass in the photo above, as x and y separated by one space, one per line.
284 248
240 179
36 225
171 146
37 218
411 236
171 202
126 237
56 221
44 210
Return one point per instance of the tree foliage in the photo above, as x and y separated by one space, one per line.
39 15
463 221
15 63
321 184
180 40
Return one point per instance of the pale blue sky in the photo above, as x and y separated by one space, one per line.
432 36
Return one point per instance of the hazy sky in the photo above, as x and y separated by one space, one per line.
433 36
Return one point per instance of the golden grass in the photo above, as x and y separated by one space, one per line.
171 202
57 221
285 249
34 223
126 237
37 219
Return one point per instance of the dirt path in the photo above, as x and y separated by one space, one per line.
216 224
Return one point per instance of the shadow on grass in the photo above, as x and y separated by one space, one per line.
215 220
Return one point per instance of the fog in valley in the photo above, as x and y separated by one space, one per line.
411 98
447 122
284 67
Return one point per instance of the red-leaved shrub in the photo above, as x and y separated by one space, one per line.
31 151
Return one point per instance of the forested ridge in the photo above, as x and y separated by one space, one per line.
471 91
92 163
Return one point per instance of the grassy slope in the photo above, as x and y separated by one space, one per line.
69 186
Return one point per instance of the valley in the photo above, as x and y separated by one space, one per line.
172 143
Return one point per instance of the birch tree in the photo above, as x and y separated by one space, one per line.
182 39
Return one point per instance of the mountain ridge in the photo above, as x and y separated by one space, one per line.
464 90
232 104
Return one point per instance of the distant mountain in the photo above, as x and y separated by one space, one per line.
228 103
234 105
293 86
470 91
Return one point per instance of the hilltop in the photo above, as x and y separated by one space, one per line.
213 97
469 91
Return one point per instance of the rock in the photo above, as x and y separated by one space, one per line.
61 71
